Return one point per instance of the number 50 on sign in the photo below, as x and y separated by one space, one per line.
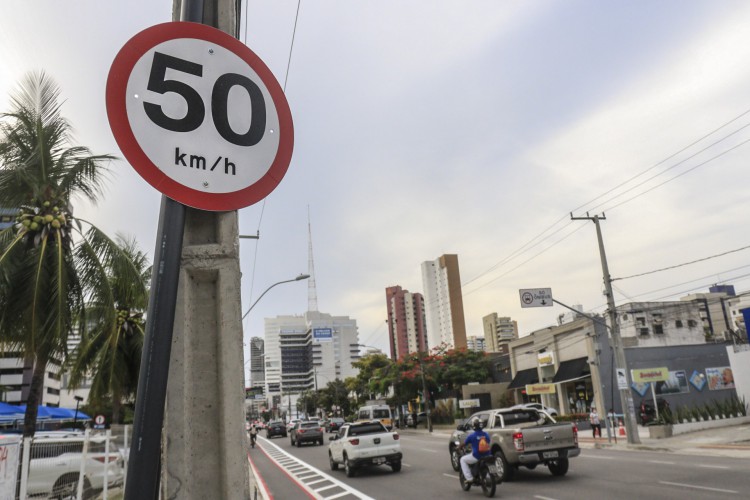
199 116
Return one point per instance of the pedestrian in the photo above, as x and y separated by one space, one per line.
253 434
596 425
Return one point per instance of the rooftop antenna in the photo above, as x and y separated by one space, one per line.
312 294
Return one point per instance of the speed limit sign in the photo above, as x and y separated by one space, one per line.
199 116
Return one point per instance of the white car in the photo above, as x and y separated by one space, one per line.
364 444
538 406
56 464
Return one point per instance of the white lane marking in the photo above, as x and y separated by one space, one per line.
405 465
450 476
277 454
596 457
713 466
663 462
544 498
696 487
429 451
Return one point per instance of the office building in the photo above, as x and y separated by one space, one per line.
406 322
257 363
307 352
444 307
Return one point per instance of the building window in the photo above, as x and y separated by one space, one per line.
658 329
53 391
678 323
643 331
692 323
641 321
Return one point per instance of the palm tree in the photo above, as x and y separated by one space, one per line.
49 267
111 352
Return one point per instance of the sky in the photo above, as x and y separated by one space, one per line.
474 128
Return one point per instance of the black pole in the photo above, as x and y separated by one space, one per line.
144 464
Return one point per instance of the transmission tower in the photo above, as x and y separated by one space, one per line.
312 294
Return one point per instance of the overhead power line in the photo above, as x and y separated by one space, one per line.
683 264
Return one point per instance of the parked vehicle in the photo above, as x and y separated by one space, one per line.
275 428
538 406
381 413
485 473
334 424
646 412
55 466
522 437
306 432
413 420
364 444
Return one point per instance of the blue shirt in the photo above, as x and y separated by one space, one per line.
473 439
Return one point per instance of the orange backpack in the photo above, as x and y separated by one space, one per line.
484 446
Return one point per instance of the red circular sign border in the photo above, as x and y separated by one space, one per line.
116 93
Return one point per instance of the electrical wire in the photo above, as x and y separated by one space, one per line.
531 244
683 264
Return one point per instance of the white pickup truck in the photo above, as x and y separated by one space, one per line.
363 444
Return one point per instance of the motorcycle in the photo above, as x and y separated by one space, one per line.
486 472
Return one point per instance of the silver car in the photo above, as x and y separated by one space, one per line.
306 431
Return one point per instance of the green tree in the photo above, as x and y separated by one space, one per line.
365 383
112 351
335 394
49 267
457 367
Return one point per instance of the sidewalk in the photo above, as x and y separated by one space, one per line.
732 441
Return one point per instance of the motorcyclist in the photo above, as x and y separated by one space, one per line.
473 439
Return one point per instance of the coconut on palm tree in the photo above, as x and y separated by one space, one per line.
111 352
49 265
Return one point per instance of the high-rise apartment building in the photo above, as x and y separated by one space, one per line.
257 362
406 322
305 352
498 331
474 343
444 305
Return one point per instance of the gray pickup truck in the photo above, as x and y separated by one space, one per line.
522 437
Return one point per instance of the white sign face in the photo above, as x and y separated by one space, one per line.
536 297
622 381
468 403
199 116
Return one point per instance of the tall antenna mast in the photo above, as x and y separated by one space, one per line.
312 294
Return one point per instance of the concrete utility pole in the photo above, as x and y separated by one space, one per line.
205 448
626 399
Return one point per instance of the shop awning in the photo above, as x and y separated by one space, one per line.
523 378
571 370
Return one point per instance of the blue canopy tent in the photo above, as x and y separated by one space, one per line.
66 413
10 413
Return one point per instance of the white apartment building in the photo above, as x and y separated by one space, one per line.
443 302
658 324
307 351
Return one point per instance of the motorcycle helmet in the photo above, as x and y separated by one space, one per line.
476 423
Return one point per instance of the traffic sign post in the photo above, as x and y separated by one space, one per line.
536 297
203 120
199 116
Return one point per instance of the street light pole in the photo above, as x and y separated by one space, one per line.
298 278
75 417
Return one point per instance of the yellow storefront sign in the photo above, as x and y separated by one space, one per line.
646 375
540 389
